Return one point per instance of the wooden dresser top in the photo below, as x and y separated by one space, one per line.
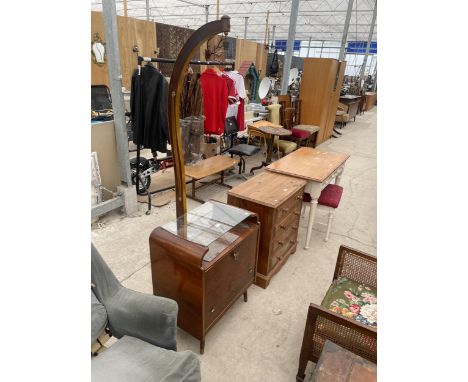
308 163
268 189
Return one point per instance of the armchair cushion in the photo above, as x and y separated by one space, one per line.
287 147
98 318
310 128
353 300
150 318
131 359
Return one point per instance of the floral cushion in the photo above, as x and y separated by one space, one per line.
353 300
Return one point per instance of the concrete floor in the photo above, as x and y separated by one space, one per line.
260 340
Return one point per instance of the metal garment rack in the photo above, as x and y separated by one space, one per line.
140 60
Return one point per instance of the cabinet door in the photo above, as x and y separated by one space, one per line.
230 277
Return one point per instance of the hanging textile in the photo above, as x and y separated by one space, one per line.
215 101
255 83
240 88
148 102
191 98
233 97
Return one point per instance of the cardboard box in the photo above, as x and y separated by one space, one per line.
210 149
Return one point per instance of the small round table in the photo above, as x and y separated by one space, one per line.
270 130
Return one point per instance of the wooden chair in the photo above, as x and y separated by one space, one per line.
311 129
252 133
329 199
344 117
301 137
342 326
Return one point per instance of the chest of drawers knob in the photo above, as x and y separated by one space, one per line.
251 270
212 310
235 255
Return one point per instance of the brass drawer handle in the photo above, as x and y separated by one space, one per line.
251 270
235 255
283 226
297 213
295 228
299 197
285 210
280 242
212 310
292 241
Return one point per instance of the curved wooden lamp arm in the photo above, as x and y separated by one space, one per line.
175 88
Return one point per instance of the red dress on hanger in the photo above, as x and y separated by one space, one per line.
215 101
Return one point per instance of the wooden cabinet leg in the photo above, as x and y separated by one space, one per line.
245 296
202 346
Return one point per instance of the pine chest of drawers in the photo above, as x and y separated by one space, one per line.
204 290
277 200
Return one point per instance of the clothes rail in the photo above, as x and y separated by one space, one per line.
140 60
193 62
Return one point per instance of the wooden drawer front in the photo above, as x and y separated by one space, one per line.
290 222
230 277
282 246
291 206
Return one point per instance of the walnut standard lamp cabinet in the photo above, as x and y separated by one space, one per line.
320 91
205 264
277 200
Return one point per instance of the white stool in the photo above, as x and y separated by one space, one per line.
330 198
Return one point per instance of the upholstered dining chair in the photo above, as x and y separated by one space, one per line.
298 125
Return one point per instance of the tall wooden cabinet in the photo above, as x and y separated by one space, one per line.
320 92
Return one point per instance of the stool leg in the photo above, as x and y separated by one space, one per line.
330 219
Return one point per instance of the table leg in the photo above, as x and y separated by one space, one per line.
338 176
270 148
193 188
315 189
313 208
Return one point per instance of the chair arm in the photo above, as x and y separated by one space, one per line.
356 265
318 310
323 324
150 318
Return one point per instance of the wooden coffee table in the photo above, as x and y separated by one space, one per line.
340 365
319 168
208 167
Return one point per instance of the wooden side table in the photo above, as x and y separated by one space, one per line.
270 130
340 365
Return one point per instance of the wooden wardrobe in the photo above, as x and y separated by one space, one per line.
320 92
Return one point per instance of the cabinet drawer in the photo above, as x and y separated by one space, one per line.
290 222
230 277
280 251
292 206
